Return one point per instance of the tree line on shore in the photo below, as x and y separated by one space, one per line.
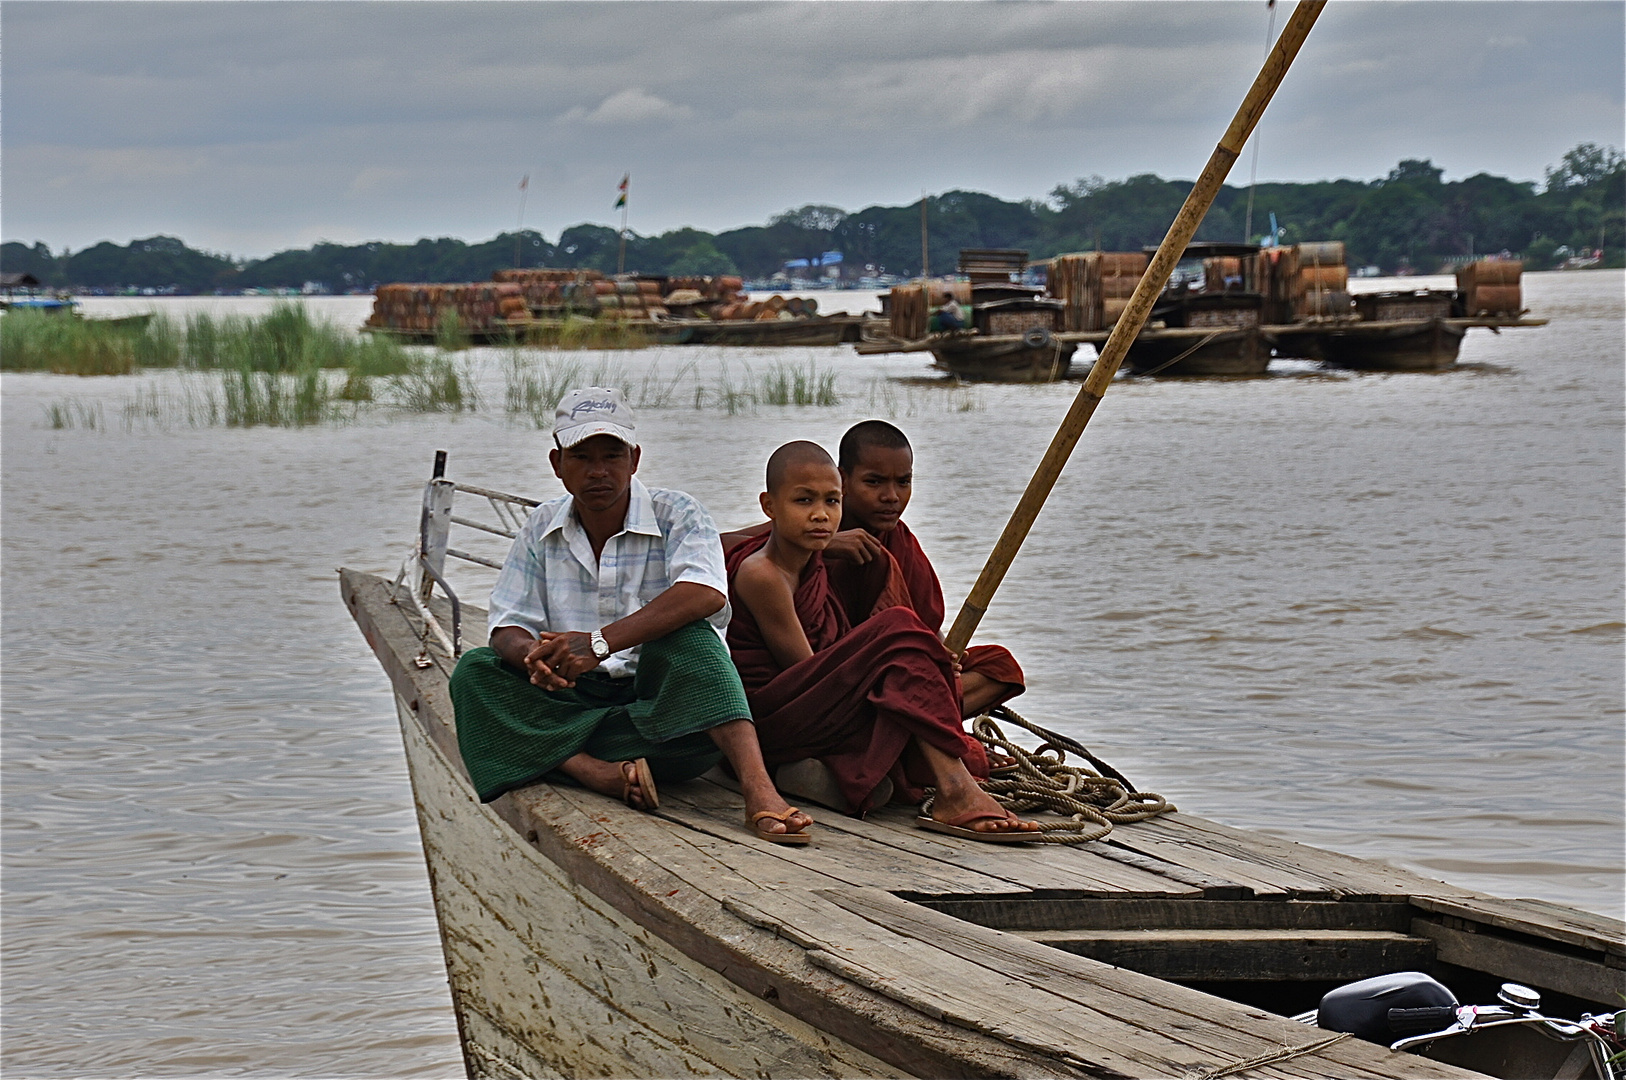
1409 219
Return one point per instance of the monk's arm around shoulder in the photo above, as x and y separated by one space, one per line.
763 589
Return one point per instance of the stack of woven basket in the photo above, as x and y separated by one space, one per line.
478 307
1276 273
1095 286
629 300
725 288
1491 287
550 292
775 307
911 305
1321 286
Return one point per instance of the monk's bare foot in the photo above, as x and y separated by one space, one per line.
761 798
966 801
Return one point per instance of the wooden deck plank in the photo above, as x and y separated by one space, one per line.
1218 1026
1025 867
1233 955
833 853
1261 881
1543 968
660 873
1141 913
1347 875
1537 918
967 993
1070 868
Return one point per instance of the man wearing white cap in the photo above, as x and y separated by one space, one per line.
607 665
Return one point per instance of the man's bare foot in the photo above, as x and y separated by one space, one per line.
617 779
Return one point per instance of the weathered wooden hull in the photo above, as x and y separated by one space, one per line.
1423 345
1199 352
584 938
1004 359
806 330
550 980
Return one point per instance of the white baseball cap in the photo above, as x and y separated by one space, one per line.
594 411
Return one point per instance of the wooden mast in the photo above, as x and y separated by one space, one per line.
1130 323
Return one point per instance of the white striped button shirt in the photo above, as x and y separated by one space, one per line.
550 580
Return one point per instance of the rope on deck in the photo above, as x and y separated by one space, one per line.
1092 799
1286 1053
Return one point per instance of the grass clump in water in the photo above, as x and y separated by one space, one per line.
271 399
73 413
785 384
432 384
286 340
65 345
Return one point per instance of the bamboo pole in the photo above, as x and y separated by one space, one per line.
1130 323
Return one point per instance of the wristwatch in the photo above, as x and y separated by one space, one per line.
601 648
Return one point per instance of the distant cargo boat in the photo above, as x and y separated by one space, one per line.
1226 310
534 305
1419 330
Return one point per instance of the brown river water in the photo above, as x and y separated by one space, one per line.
1378 613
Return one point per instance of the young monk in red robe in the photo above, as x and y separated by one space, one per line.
877 478
877 468
868 694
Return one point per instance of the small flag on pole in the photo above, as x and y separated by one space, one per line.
621 200
525 182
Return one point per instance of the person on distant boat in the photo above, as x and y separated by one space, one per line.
607 666
859 683
950 316
877 479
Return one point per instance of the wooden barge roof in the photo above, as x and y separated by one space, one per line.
942 957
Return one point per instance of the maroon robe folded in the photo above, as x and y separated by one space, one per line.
926 597
863 694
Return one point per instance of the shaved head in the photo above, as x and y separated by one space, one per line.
792 454
862 436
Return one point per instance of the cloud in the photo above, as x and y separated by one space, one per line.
630 107
419 119
369 180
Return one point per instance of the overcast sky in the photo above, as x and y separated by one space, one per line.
253 127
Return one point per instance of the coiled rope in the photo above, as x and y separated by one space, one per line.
1092 799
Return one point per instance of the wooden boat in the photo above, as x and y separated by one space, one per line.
800 330
1199 351
1036 356
1430 344
583 937
70 308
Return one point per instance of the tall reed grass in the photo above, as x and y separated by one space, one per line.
66 345
579 332
785 384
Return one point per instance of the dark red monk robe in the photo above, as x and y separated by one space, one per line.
863 694
926 597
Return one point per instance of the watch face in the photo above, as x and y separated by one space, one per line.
601 648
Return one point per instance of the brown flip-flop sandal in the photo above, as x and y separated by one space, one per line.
755 821
957 827
644 779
